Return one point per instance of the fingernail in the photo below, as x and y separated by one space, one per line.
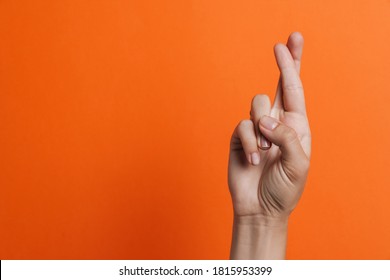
265 144
255 158
268 122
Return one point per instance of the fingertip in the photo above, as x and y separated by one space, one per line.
265 143
282 54
278 46
266 148
295 44
296 36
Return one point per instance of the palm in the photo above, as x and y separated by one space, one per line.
267 189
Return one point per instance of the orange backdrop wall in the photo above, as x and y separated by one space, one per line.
116 117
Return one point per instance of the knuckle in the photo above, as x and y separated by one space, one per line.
290 135
244 124
239 133
244 129
293 87
260 98
260 105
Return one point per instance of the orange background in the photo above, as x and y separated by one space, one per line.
116 117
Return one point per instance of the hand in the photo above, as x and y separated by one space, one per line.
268 162
270 152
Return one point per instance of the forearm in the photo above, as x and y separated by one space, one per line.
256 237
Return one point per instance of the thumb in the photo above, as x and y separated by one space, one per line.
287 139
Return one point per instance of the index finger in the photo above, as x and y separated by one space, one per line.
293 94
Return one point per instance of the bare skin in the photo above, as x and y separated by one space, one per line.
269 160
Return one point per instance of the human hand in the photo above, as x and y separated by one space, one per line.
266 178
269 160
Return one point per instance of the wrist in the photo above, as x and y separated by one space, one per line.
259 237
259 220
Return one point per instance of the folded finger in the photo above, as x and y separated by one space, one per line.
260 106
245 132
